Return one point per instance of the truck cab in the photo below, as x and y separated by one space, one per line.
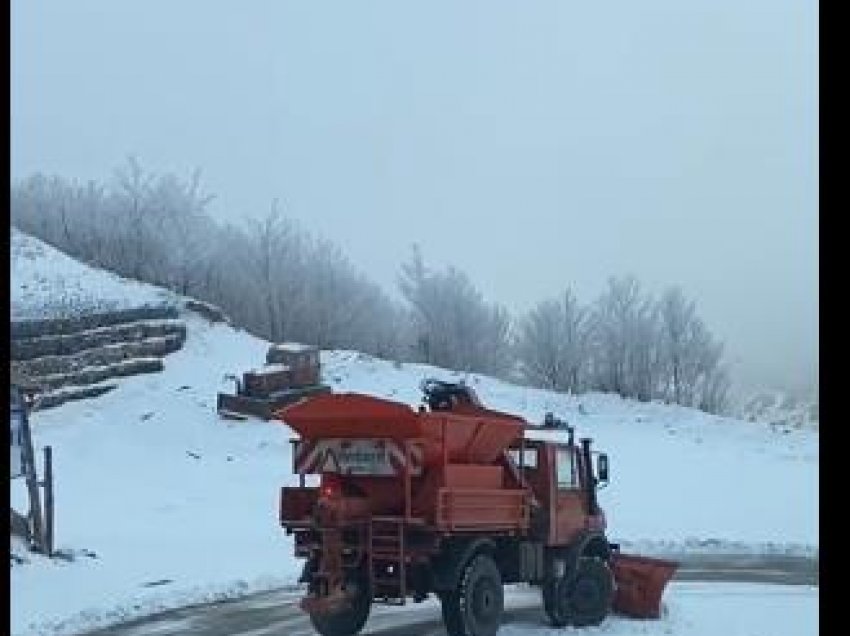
564 483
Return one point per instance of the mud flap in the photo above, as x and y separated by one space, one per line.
640 583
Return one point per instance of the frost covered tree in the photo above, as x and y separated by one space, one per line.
270 277
552 344
714 393
178 209
646 363
678 317
650 349
276 265
693 360
278 282
625 354
131 192
453 325
342 306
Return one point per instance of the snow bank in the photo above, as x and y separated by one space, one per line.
46 283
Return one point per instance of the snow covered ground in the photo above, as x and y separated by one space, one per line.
162 503
703 609
177 505
46 283
678 474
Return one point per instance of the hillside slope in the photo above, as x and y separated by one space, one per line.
162 503
46 283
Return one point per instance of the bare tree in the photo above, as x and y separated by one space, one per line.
552 344
625 327
613 321
132 187
454 326
273 279
278 282
178 212
275 240
678 316
714 394
693 359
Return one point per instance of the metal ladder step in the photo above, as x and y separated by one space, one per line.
385 581
386 600
387 546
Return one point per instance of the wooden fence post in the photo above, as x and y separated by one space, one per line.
48 500
32 481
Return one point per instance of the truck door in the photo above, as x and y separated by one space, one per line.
569 508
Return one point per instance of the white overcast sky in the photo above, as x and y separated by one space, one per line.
534 144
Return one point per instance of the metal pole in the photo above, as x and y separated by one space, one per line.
407 511
48 500
589 478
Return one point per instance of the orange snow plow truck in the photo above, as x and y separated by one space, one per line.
452 500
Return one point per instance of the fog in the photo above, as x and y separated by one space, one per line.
533 145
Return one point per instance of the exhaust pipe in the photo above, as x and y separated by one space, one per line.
589 478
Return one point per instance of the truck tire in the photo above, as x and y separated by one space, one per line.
475 608
348 621
551 605
586 597
450 605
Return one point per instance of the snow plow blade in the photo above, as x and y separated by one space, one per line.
640 583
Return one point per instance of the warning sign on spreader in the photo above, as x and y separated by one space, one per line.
359 457
356 457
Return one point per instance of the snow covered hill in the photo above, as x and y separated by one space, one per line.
46 283
162 503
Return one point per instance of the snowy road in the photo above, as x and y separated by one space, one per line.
276 613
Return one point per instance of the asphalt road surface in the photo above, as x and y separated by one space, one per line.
277 613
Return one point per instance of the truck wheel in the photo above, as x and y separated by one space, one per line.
586 598
551 605
450 604
475 608
350 620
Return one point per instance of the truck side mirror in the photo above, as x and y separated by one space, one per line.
602 468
